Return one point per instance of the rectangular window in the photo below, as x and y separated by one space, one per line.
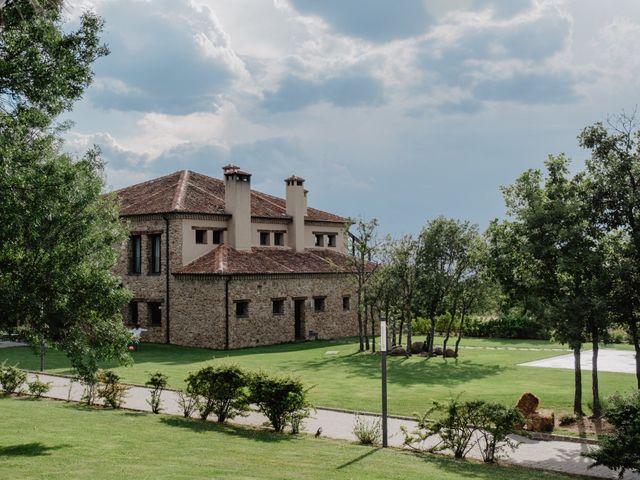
265 238
319 240
278 306
242 308
278 239
318 304
136 254
346 303
155 243
332 240
133 313
155 313
217 237
201 236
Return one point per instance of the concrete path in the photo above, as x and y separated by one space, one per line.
546 455
609 360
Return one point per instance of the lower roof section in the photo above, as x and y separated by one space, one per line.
225 260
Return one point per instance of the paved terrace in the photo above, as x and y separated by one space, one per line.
557 456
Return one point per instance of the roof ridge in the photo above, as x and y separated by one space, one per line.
264 197
151 180
181 188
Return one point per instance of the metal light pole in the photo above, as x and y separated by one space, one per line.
383 357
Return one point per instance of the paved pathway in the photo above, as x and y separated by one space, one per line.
547 455
609 360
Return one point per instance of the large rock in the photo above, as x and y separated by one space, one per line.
417 347
541 421
398 350
450 353
528 404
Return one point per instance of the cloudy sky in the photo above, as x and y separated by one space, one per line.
400 110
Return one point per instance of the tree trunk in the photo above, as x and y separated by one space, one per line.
636 344
400 330
460 330
409 339
577 397
360 332
373 331
366 327
432 334
597 409
448 332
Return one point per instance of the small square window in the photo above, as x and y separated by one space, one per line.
155 313
319 240
318 304
346 303
242 308
201 236
265 238
278 306
217 237
278 239
332 240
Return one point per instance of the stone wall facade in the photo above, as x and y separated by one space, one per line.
197 305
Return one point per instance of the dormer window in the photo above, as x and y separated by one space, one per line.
278 239
319 240
201 237
265 239
332 240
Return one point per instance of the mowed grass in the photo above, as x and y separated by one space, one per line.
343 378
56 440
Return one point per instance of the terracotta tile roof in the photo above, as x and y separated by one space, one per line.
226 260
187 191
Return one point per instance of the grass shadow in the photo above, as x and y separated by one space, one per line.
199 426
358 459
34 449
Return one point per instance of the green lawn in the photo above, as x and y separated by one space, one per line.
56 440
343 378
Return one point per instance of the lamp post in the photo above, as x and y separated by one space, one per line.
383 357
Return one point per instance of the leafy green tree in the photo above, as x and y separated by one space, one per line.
57 231
614 175
221 390
363 246
558 255
442 258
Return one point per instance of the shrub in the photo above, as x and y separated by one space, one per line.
110 389
495 423
186 403
280 399
620 451
220 390
90 382
566 420
510 325
38 388
11 378
420 326
157 382
367 431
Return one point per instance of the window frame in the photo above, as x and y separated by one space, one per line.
153 307
278 239
319 307
203 233
135 265
280 302
265 238
346 303
216 237
332 240
134 312
244 305
155 254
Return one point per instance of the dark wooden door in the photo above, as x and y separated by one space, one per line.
298 313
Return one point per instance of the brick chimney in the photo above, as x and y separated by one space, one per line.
237 203
297 209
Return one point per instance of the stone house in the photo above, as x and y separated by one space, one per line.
212 263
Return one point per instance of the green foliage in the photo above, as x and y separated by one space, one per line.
12 378
110 389
186 403
566 420
157 382
221 390
37 388
280 399
460 426
368 431
510 325
620 451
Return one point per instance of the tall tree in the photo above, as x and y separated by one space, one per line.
441 259
557 255
614 174
363 246
57 232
